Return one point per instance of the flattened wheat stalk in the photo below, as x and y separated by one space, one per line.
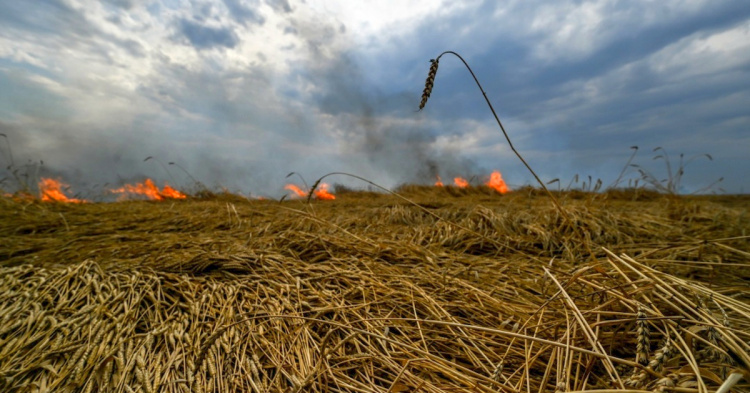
429 83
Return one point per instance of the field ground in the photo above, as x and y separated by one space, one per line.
461 291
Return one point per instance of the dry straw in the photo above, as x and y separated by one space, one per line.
373 293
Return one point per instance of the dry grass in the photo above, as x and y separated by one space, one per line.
469 291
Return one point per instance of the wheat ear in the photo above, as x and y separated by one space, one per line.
430 82
643 340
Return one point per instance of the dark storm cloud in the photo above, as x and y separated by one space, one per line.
52 22
245 13
206 37
335 75
124 4
280 5
634 40
537 82
511 70
43 16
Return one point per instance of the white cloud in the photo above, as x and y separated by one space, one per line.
380 19
565 31
701 55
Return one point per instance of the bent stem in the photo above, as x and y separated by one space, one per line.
507 138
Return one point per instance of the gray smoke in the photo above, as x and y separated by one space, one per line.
381 135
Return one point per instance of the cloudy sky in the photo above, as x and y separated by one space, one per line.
241 92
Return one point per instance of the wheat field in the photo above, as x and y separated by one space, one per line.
453 290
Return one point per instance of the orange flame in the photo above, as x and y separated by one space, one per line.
295 189
150 191
497 183
320 193
460 182
50 190
169 192
439 182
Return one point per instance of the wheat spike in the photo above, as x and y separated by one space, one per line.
662 356
211 362
637 380
107 373
643 341
141 372
498 371
429 83
89 386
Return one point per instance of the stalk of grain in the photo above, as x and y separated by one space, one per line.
429 84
